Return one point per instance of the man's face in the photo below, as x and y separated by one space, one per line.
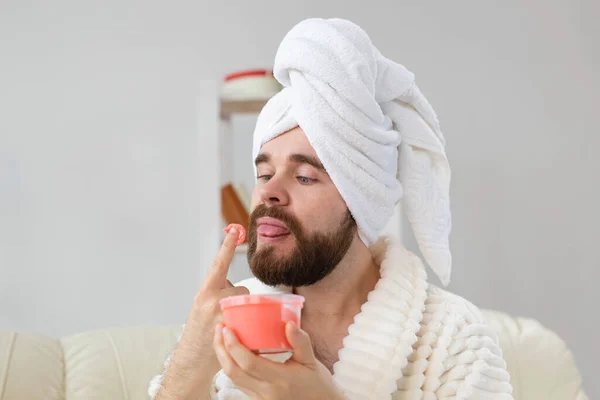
300 227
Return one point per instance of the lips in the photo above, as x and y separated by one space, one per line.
271 227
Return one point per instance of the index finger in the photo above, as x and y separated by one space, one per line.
217 275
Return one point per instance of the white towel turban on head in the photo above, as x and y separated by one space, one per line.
375 133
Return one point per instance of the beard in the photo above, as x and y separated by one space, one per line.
315 255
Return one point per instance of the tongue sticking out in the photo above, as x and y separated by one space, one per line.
271 230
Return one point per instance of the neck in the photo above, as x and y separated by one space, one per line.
339 296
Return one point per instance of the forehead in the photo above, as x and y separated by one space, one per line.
293 141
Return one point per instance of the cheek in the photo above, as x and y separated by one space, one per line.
255 199
323 214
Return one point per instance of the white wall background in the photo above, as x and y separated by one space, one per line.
103 218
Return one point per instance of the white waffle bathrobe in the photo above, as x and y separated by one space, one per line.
411 340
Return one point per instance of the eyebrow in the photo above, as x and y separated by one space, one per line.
296 158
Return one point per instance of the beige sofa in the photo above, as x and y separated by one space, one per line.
118 364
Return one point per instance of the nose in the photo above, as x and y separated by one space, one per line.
273 193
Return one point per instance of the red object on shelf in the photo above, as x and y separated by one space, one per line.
248 73
250 84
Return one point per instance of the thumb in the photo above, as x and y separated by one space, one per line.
300 342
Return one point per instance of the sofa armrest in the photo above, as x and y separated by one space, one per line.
539 362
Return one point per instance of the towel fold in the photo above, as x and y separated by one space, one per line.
376 134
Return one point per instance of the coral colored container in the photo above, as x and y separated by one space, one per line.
259 320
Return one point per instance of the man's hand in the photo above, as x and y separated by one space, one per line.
194 361
300 377
206 311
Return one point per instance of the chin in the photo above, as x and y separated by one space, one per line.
279 249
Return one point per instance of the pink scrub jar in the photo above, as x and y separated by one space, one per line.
259 320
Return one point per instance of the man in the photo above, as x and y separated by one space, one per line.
348 136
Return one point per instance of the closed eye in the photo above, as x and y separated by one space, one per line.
264 178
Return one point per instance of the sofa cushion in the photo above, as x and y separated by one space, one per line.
31 367
116 364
